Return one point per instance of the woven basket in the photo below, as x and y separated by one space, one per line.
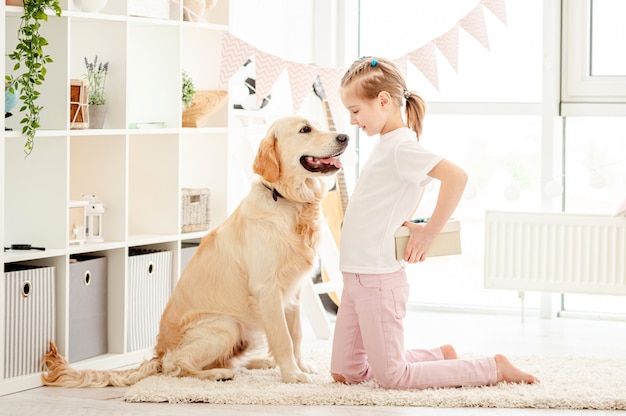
196 209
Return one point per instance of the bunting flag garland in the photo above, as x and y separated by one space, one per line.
331 80
401 63
497 8
235 52
448 44
272 66
301 78
474 24
425 60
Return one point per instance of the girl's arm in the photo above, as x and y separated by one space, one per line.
453 180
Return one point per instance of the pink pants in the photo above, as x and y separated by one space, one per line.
369 340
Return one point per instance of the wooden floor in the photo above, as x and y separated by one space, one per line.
469 332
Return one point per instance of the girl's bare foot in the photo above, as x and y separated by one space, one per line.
509 373
449 353
338 378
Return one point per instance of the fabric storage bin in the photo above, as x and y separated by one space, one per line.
196 210
187 251
149 288
87 307
29 317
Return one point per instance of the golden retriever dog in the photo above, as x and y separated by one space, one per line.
241 289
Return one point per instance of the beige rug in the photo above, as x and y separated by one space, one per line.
566 383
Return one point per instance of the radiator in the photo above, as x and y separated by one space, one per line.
555 252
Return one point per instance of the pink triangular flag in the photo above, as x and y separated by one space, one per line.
448 44
301 79
268 68
425 60
401 64
474 24
331 81
497 7
235 52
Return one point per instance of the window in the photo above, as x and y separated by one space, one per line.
595 168
594 67
486 118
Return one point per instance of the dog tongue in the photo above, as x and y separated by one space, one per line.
332 161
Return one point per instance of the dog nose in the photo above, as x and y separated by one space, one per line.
342 138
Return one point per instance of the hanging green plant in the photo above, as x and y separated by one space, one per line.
29 53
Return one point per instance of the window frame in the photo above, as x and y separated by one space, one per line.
582 93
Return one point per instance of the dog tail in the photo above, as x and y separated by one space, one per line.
58 372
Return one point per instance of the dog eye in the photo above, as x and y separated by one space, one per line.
305 129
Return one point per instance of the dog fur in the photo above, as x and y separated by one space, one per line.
241 289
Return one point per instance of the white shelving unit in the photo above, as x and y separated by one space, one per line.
136 173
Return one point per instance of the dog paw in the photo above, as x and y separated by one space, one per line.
217 374
296 378
306 367
260 363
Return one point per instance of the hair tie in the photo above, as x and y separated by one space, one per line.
407 94
374 62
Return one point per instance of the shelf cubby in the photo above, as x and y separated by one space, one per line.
136 165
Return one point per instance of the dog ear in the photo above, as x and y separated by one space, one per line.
266 161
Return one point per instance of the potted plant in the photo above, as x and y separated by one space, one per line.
29 53
96 78
189 90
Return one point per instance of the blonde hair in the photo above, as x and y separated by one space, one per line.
379 74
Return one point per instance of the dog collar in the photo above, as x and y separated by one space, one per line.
275 193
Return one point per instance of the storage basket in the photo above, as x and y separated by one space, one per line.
196 209
187 251
30 317
149 288
87 307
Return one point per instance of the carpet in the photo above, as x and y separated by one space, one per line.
566 383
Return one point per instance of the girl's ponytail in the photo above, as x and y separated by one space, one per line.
415 112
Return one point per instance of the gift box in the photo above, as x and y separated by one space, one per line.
447 243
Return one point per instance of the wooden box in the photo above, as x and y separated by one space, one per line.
79 114
448 242
203 106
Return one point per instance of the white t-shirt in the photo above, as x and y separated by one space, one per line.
385 196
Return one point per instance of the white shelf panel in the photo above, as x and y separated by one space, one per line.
137 174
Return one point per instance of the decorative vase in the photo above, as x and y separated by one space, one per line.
10 98
97 112
90 6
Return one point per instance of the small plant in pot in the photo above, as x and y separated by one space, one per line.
29 53
96 78
189 90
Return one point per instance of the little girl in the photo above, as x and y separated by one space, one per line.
368 342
